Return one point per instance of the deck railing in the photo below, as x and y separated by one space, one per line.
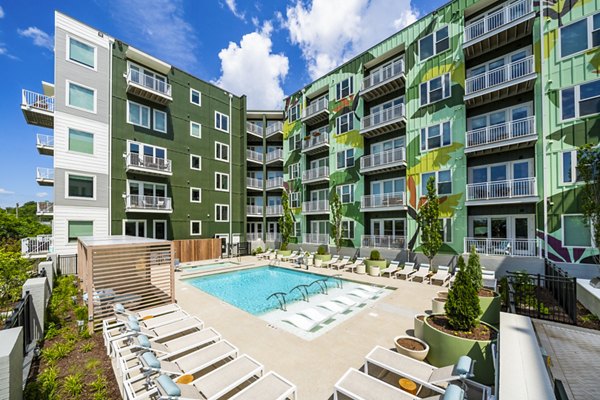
384 200
138 202
274 155
148 162
274 128
499 76
254 155
316 138
254 210
503 246
274 210
149 82
382 117
254 183
393 70
44 141
495 21
44 174
316 238
315 206
254 128
37 100
507 189
316 106
41 244
274 182
501 132
45 207
315 174
383 158
383 241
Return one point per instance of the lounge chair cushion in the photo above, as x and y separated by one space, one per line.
151 360
132 318
454 392
167 384
143 341
463 366
134 326
120 308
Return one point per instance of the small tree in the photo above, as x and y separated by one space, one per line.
429 221
474 268
335 206
462 307
286 222
588 170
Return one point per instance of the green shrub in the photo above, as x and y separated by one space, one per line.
92 364
99 384
462 307
283 247
48 383
375 255
86 348
85 334
322 250
101 395
73 385
81 313
52 331
57 351
256 251
474 266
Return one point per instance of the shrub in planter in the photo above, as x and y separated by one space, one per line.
474 268
375 263
375 255
462 307
322 254
256 251
322 250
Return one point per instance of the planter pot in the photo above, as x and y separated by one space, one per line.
284 253
442 294
445 349
318 262
361 269
490 309
419 325
374 270
374 267
437 305
416 354
322 257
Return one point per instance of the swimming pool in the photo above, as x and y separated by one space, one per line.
249 289
209 267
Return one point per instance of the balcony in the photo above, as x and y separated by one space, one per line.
274 129
148 87
37 247
385 161
513 21
44 176
316 238
253 183
384 121
383 202
273 237
316 207
317 111
254 156
316 175
508 80
504 247
45 144
254 211
153 204
254 129
252 237
275 156
38 109
500 192
501 137
275 183
147 164
383 81
45 208
317 142
383 241
275 211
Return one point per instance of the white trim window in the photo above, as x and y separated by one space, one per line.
294 112
138 114
195 162
446 229
134 227
81 97
221 122
195 97
345 193
344 123
294 171
345 159
195 130
195 195
295 142
80 186
576 231
195 228
436 136
580 36
80 141
295 199
221 182
76 228
221 213
569 171
163 230
443 179
221 152
580 101
434 43
435 90
348 229
160 121
297 229
81 53
147 150
344 88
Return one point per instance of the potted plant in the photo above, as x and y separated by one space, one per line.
489 301
411 347
375 263
322 255
307 137
419 321
438 304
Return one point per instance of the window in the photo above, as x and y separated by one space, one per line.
221 152
294 113
434 43
576 231
570 174
295 199
138 114
195 97
443 180
135 227
297 229
345 158
436 136
347 229
446 229
581 100
195 162
344 88
160 121
435 90
344 123
221 182
221 213
80 97
221 122
80 186
346 193
81 53
195 195
295 142
580 35
195 129
81 142
294 171
80 229
195 228
160 229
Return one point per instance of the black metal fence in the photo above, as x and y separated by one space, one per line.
23 316
67 264
552 296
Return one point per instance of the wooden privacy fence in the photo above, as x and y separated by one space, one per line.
197 249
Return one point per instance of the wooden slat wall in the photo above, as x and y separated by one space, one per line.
197 249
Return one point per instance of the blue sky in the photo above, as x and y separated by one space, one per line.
262 48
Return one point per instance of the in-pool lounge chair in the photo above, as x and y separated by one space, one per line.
333 260
334 307
315 315
372 290
407 271
356 263
341 263
391 269
421 273
299 321
345 301
363 295
442 275
270 386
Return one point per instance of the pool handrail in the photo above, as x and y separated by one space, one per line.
280 296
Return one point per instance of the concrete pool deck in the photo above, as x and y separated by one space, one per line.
315 365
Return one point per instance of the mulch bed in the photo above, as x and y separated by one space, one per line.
485 293
586 319
480 332
410 344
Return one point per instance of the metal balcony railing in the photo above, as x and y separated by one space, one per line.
254 128
383 159
254 183
392 71
45 207
148 163
316 238
37 101
45 141
275 210
512 188
496 21
251 237
315 206
42 244
315 174
275 182
384 200
44 174
274 128
321 104
254 156
316 138
139 202
254 210
501 132
383 241
273 237
382 117
504 246
149 82
503 75
274 155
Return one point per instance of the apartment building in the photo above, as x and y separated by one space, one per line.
491 98
139 146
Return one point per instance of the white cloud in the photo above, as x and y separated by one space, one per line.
330 32
4 192
252 69
1 12
159 28
233 8
39 37
41 194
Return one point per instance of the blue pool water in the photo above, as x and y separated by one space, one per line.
249 289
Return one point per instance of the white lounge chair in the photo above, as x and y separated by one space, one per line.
287 257
147 313
391 269
362 295
372 290
333 260
345 301
488 279
453 277
270 386
407 271
421 273
341 263
301 322
359 386
315 315
266 254
442 275
334 307
356 263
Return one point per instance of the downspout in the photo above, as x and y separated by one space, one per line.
546 172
